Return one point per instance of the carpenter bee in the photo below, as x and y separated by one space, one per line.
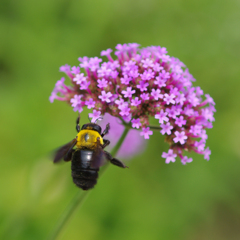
86 151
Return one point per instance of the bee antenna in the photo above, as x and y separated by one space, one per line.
89 118
99 119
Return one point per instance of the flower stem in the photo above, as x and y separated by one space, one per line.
81 196
154 127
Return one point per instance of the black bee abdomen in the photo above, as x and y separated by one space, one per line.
84 176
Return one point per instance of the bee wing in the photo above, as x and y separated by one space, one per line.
64 152
98 156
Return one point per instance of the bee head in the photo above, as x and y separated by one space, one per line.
92 126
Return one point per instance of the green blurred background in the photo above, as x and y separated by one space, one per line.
150 200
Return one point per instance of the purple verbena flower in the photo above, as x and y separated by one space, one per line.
166 128
137 84
136 123
156 94
185 160
180 121
162 116
102 83
170 156
136 101
180 137
90 103
95 115
146 132
169 98
105 97
129 92
77 104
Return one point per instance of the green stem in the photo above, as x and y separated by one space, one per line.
154 127
81 196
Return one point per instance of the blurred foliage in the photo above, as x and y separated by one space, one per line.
150 200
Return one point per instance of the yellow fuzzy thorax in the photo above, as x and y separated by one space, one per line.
88 139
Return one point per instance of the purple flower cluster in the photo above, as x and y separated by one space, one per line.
138 84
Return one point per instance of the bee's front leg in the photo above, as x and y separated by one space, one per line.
77 124
105 143
105 130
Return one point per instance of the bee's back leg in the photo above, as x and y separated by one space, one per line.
114 161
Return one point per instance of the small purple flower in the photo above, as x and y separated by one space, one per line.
147 63
170 156
162 116
90 103
125 79
169 98
119 102
128 93
207 153
107 54
146 132
95 115
209 99
142 86
84 85
79 78
199 92
125 111
104 71
77 103
147 74
185 160
180 121
135 102
105 97
94 63
195 130
166 128
160 82
66 68
180 137
164 75
75 70
144 96
136 123
157 67
200 145
180 98
173 112
208 114
102 83
156 94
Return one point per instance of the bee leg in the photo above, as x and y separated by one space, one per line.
114 161
77 124
105 143
106 130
